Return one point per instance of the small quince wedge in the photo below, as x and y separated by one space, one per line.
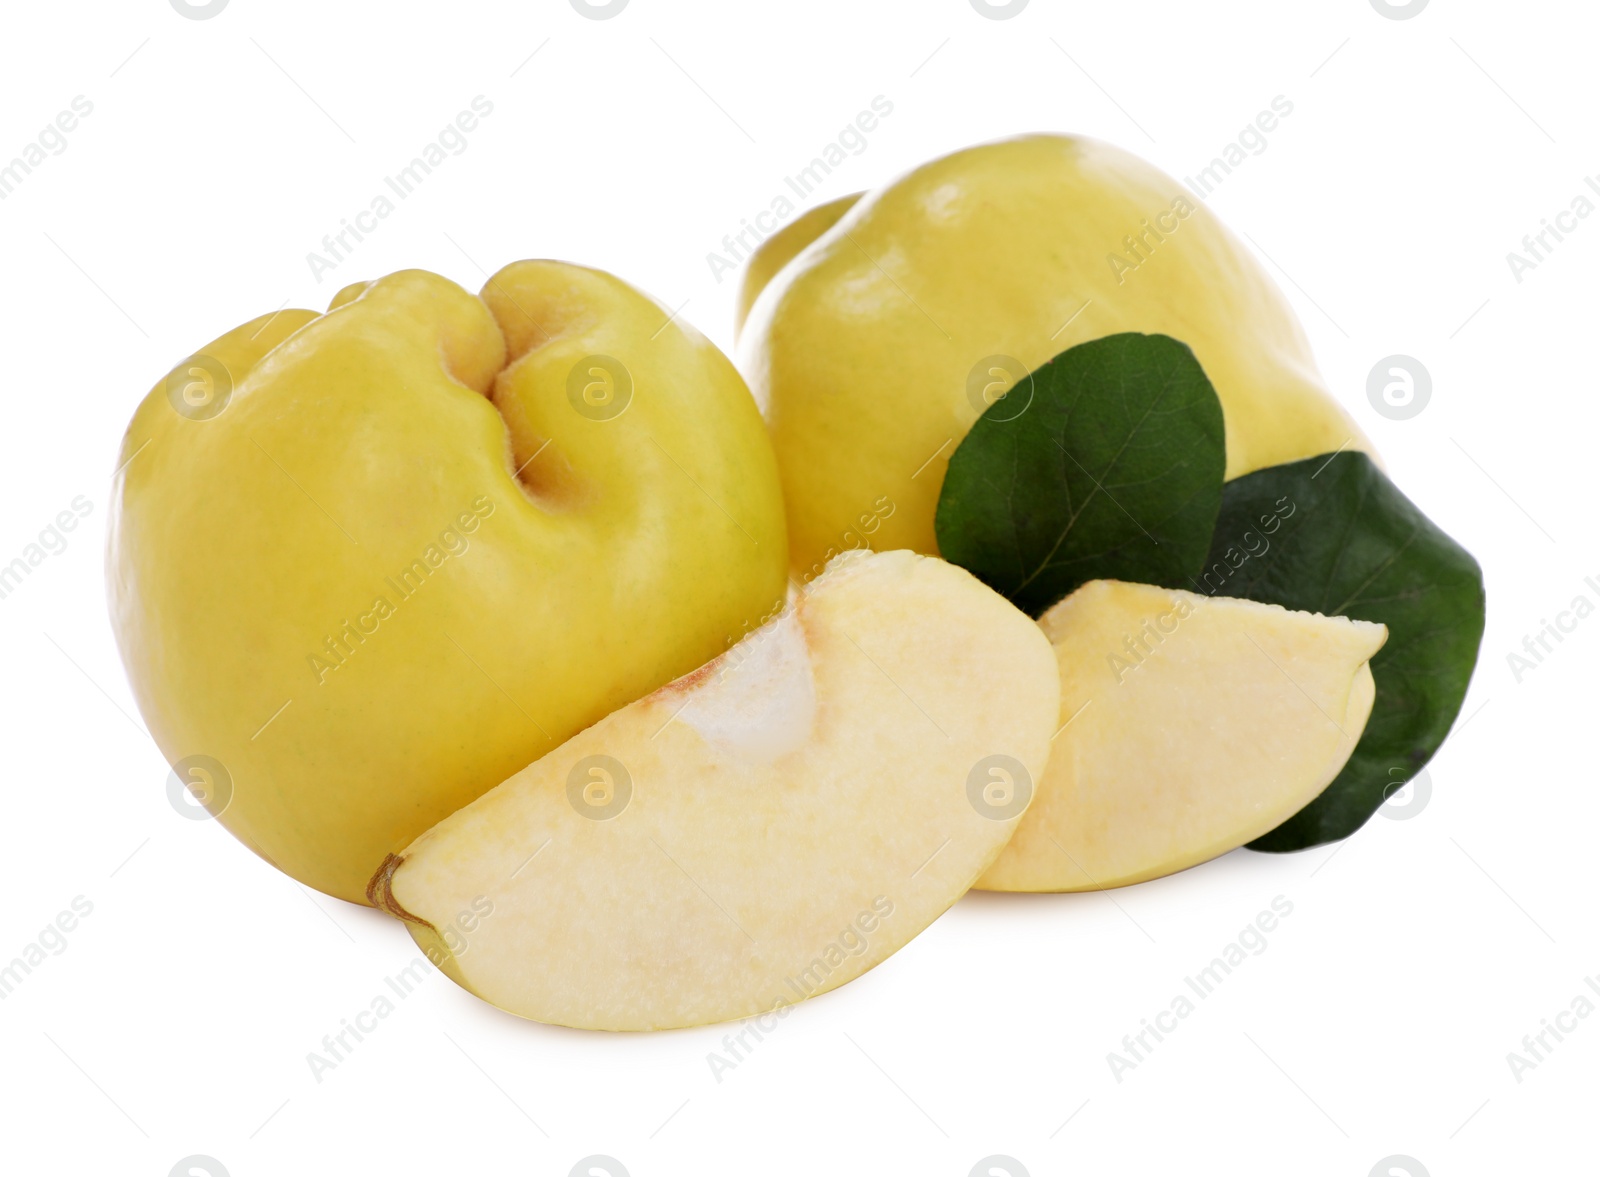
1189 725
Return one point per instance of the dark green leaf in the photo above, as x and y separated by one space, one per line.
1333 535
1113 469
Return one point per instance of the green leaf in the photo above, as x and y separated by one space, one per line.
1110 468
1333 535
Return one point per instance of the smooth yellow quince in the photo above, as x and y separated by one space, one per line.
777 250
372 562
876 344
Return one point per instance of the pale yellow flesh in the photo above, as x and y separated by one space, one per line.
1192 725
401 564
860 347
799 811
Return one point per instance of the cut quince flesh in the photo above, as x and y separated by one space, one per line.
1189 725
764 829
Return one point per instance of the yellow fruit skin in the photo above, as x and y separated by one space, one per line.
361 460
860 349
777 251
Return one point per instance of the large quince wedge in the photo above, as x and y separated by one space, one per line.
763 830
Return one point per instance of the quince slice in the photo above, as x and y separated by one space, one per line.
1189 726
762 830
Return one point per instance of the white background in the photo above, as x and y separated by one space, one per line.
219 152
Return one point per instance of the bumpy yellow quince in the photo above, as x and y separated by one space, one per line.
366 565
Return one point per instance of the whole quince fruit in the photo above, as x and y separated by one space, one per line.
877 343
366 565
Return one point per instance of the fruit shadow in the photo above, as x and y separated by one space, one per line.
1237 867
1224 876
